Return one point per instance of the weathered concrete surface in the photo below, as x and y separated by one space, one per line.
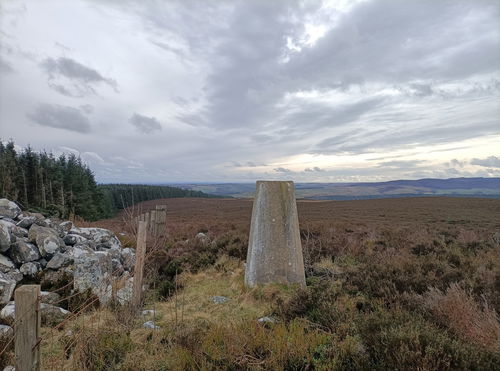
274 249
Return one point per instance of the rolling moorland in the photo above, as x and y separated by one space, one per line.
456 187
391 284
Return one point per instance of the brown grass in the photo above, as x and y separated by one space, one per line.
392 284
457 309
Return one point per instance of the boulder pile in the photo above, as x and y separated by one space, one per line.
37 249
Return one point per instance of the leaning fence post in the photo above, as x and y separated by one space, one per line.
27 328
140 252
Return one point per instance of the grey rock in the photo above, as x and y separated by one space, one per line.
15 274
8 312
30 269
87 245
56 226
19 232
5 237
117 267
7 286
9 368
124 295
37 230
266 319
50 277
94 271
59 260
128 258
100 236
23 252
66 226
40 220
202 236
6 331
6 264
47 240
9 209
51 314
48 297
148 313
78 250
115 253
14 231
151 325
72 239
219 299
495 238
26 221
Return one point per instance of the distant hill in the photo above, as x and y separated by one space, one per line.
456 187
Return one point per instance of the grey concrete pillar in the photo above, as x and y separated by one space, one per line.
274 248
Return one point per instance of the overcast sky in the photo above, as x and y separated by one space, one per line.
222 91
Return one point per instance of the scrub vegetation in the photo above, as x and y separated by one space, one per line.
391 284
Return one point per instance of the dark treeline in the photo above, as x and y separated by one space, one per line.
124 195
64 186
59 186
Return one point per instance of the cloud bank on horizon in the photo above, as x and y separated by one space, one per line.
224 91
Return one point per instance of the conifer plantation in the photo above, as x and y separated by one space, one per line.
64 186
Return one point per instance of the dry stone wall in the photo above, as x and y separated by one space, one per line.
34 248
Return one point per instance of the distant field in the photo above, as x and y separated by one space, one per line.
436 212
459 187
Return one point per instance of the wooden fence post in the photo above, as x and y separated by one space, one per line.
27 328
140 252
152 222
161 219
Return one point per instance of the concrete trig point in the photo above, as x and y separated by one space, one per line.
274 248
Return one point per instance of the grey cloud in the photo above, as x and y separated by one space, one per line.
282 170
400 164
261 138
5 67
314 169
373 140
144 124
491 161
61 117
168 48
364 46
247 164
325 116
253 164
72 78
456 163
87 108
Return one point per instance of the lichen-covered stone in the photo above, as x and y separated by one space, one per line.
22 252
47 240
100 236
6 264
59 260
30 269
9 209
7 286
5 236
